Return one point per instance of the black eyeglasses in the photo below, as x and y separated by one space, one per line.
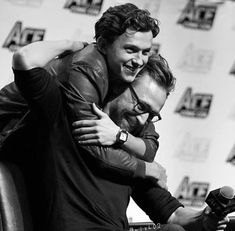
142 108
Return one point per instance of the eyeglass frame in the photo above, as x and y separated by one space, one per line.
151 113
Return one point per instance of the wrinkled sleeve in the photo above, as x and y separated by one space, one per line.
81 88
40 91
155 201
150 138
12 108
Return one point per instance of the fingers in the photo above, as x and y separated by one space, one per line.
86 130
77 45
222 224
221 227
224 221
86 137
213 222
84 123
98 111
89 142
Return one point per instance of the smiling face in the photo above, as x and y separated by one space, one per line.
121 109
128 54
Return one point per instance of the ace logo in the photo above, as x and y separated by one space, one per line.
196 59
92 7
198 16
192 194
197 105
18 37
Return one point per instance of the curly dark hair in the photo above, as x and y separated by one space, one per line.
117 19
158 69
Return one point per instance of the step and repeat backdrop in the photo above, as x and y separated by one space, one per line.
197 133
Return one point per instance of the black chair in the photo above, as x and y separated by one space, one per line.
14 208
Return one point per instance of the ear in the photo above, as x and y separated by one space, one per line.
101 45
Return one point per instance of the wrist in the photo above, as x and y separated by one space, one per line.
148 169
121 136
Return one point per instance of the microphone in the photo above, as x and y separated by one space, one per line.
221 201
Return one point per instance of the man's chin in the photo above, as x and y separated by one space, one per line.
129 78
125 125
131 126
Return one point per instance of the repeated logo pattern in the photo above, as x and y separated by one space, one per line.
19 37
194 105
198 16
91 7
192 194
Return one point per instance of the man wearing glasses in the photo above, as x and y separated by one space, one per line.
135 109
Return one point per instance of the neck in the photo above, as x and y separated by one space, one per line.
115 89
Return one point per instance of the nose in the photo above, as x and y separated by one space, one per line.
142 119
139 59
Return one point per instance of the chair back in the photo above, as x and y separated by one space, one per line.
14 208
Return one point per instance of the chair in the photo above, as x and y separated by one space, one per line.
14 209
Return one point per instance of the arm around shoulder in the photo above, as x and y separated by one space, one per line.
38 54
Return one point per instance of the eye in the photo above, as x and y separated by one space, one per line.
129 50
146 52
140 108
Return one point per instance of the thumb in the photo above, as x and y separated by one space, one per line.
98 111
77 45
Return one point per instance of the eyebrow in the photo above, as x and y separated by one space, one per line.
149 107
136 47
143 102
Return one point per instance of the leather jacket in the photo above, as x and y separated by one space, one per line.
90 64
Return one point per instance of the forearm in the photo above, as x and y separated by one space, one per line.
117 161
135 146
145 146
189 218
38 54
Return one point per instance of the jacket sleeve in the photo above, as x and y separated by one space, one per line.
150 138
155 201
13 108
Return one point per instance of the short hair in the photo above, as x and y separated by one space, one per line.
115 20
159 70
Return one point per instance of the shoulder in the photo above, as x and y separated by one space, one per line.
91 59
91 64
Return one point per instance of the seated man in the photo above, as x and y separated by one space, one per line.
149 101
150 89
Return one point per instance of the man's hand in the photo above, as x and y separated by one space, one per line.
155 170
77 45
211 222
102 131
73 46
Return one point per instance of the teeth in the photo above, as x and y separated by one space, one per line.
130 68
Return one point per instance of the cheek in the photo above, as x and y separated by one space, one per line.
113 62
145 59
120 57
131 122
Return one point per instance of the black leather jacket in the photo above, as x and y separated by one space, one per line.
83 77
